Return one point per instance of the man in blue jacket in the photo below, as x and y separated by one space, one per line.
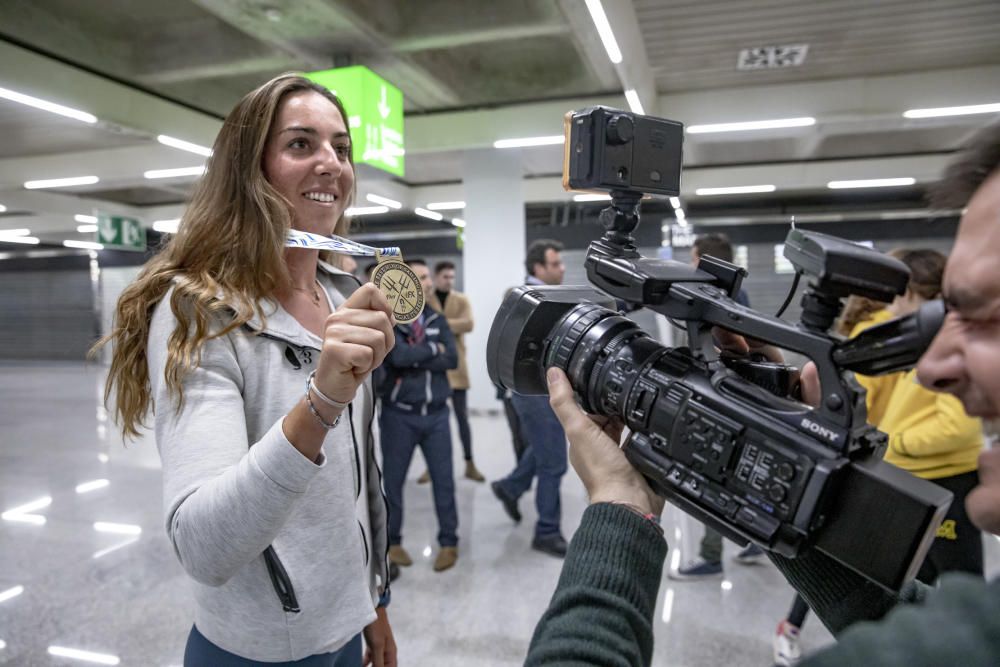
415 412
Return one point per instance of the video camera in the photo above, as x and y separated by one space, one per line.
724 438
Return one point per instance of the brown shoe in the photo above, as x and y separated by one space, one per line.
398 555
472 472
425 478
446 558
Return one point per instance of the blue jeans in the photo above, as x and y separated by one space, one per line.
544 457
401 433
200 652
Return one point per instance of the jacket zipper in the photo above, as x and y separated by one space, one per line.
281 581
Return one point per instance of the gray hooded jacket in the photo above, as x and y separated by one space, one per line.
234 487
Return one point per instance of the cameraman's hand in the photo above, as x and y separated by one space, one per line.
595 452
740 345
356 339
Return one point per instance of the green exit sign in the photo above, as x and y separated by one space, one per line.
119 232
375 114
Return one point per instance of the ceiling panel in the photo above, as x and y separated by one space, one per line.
29 132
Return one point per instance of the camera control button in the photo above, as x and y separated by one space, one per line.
776 493
786 471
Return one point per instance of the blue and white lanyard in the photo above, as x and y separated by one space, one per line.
299 239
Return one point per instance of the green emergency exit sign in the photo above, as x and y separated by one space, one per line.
121 233
375 114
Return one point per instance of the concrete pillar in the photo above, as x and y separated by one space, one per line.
494 251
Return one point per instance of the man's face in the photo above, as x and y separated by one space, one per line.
964 358
551 273
424 276
444 281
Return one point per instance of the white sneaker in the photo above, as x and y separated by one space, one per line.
786 645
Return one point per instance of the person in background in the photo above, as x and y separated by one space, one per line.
930 435
415 412
255 361
601 611
709 561
457 310
545 456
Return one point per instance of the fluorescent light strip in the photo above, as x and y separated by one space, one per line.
751 125
51 107
424 213
668 605
550 140
23 231
174 173
92 485
634 103
86 229
27 240
80 217
40 503
952 111
61 182
384 201
2 208
86 656
11 593
355 211
36 519
85 245
445 205
458 222
736 190
591 197
871 183
604 30
675 202
117 528
120 545
166 226
184 145
3 644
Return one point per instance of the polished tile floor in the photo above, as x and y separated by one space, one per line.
88 577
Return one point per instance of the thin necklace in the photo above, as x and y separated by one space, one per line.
313 293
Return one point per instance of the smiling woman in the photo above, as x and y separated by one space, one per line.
251 353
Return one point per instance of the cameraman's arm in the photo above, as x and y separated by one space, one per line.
602 610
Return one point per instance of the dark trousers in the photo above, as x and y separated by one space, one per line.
515 428
711 546
958 546
544 458
401 433
200 652
460 405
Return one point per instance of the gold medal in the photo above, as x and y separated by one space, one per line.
401 287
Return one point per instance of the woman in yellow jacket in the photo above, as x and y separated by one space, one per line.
929 435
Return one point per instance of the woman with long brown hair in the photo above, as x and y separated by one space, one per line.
255 362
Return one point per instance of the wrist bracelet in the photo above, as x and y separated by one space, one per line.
652 518
311 384
312 408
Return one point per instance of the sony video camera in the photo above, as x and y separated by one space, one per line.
724 439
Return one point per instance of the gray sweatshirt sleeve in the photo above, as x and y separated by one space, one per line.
225 501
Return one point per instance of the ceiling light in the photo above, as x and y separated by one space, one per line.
184 145
15 232
445 205
591 197
117 528
86 656
737 190
871 183
93 485
174 173
86 229
27 240
529 141
80 217
604 30
36 519
11 593
424 213
166 226
40 503
385 201
952 111
675 202
751 125
61 182
355 211
47 106
458 222
86 245
2 208
633 101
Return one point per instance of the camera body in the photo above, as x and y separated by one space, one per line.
718 438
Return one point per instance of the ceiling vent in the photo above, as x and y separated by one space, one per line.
772 57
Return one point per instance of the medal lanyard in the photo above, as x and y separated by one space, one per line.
299 239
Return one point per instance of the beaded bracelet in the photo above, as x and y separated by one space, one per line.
310 387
